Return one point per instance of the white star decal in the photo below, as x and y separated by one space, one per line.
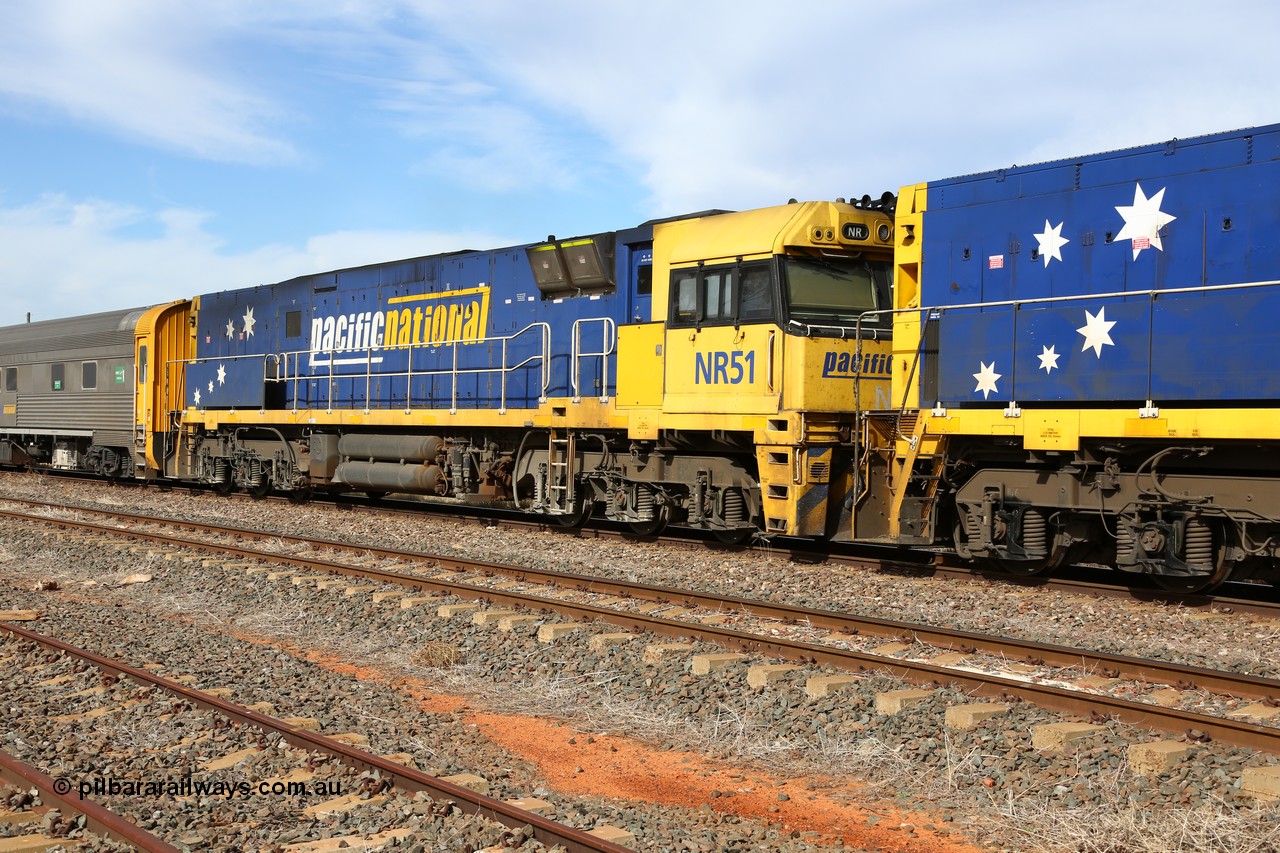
986 377
1143 221
222 375
231 329
1096 331
248 322
197 396
1049 358
1051 242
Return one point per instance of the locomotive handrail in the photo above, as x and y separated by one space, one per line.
609 340
1080 297
453 371
934 312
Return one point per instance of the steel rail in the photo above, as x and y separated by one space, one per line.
407 778
98 819
1054 698
935 564
1041 654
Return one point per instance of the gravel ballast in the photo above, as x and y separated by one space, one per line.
988 778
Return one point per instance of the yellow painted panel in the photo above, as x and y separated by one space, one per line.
643 425
830 375
1158 427
1261 423
908 234
1051 430
722 370
640 365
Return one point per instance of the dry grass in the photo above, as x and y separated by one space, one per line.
435 655
1014 822
1041 827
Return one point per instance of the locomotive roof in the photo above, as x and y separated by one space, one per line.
1113 153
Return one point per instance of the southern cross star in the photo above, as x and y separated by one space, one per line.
986 377
1051 242
1049 359
1143 220
1096 331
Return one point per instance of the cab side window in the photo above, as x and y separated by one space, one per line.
684 299
722 295
757 293
717 289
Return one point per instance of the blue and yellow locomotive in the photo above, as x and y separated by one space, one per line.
1074 360
704 370
1087 355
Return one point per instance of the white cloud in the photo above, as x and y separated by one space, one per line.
731 104
65 257
148 71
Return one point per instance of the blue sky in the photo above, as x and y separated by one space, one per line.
153 150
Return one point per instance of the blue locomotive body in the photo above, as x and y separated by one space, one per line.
490 329
1147 274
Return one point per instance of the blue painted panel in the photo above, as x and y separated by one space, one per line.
226 384
1193 213
375 337
970 340
1222 344
1056 361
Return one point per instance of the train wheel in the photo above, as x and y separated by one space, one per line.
1035 538
653 526
262 489
578 517
1201 550
1024 568
224 487
736 536
1186 584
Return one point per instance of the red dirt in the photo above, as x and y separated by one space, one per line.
621 768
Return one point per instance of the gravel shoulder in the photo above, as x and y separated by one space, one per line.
890 770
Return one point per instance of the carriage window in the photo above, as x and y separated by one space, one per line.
57 376
89 374
11 379
142 364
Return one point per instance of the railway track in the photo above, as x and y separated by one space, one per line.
1043 674
365 776
1256 599
97 819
